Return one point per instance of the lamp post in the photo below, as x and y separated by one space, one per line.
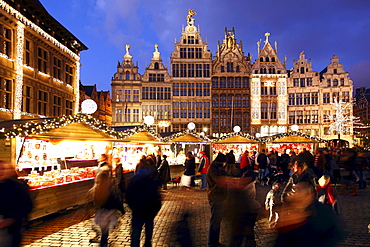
294 127
191 126
149 120
236 129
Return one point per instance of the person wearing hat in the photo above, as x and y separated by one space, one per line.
203 168
164 172
216 192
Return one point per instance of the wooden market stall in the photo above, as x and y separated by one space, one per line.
57 157
292 140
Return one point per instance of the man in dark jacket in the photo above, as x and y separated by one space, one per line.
164 172
144 199
216 192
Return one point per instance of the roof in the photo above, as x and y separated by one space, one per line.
89 90
34 11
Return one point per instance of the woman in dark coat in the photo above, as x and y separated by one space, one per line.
190 168
144 199
164 172
16 204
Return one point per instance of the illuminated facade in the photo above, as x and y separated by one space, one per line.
156 93
126 89
39 63
268 87
191 63
230 87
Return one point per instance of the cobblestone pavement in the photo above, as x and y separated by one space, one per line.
68 229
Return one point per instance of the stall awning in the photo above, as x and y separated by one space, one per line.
187 138
292 137
236 140
142 137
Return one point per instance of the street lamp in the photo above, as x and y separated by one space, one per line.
191 126
236 128
294 127
149 120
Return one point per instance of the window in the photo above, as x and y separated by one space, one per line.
69 74
223 100
245 82
198 89
127 115
215 82
230 67
207 109
28 53
191 89
273 110
302 82
182 70
175 70
328 83
42 102
315 116
42 60
307 99
298 99
118 115
302 70
309 81
345 96
199 110
237 68
57 68
136 115
190 70
206 70
222 68
336 96
136 96
152 93
190 39
198 52
127 95
27 98
335 83
119 95
215 101
183 89
206 89
245 100
190 53
272 90
292 117
291 99
156 65
69 107
175 89
238 101
57 106
264 90
5 41
127 75
342 82
299 117
326 98
222 82
264 110
230 82
314 98
335 71
182 52
238 82
175 109
5 93
167 93
295 82
230 101
183 109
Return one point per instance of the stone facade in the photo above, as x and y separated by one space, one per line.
39 63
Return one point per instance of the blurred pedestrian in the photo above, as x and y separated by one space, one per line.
306 222
272 203
285 159
325 193
16 204
245 162
216 192
348 175
262 166
144 199
319 165
362 165
189 171
203 168
306 157
334 168
164 172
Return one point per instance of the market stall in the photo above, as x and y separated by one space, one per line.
293 141
57 157
182 142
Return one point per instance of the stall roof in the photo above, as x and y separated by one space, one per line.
186 136
142 137
73 127
236 138
292 137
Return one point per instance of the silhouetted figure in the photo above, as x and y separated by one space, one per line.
164 172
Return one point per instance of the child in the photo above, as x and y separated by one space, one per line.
271 203
325 193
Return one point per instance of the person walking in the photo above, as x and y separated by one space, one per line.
164 172
362 165
245 162
203 168
262 166
216 193
16 204
144 199
189 170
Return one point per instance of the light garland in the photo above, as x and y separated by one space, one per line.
22 113
19 72
28 67
267 139
43 74
6 57
241 134
186 132
77 87
57 80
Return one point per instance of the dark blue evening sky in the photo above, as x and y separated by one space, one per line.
320 28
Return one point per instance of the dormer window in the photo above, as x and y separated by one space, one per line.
156 66
267 59
127 75
191 40
273 59
335 71
261 59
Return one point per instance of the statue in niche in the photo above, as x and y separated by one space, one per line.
189 18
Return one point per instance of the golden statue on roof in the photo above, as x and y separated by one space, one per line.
189 17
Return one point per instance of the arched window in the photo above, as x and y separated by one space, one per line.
156 66
273 59
261 59
127 75
267 59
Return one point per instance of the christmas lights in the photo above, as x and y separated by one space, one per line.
19 72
